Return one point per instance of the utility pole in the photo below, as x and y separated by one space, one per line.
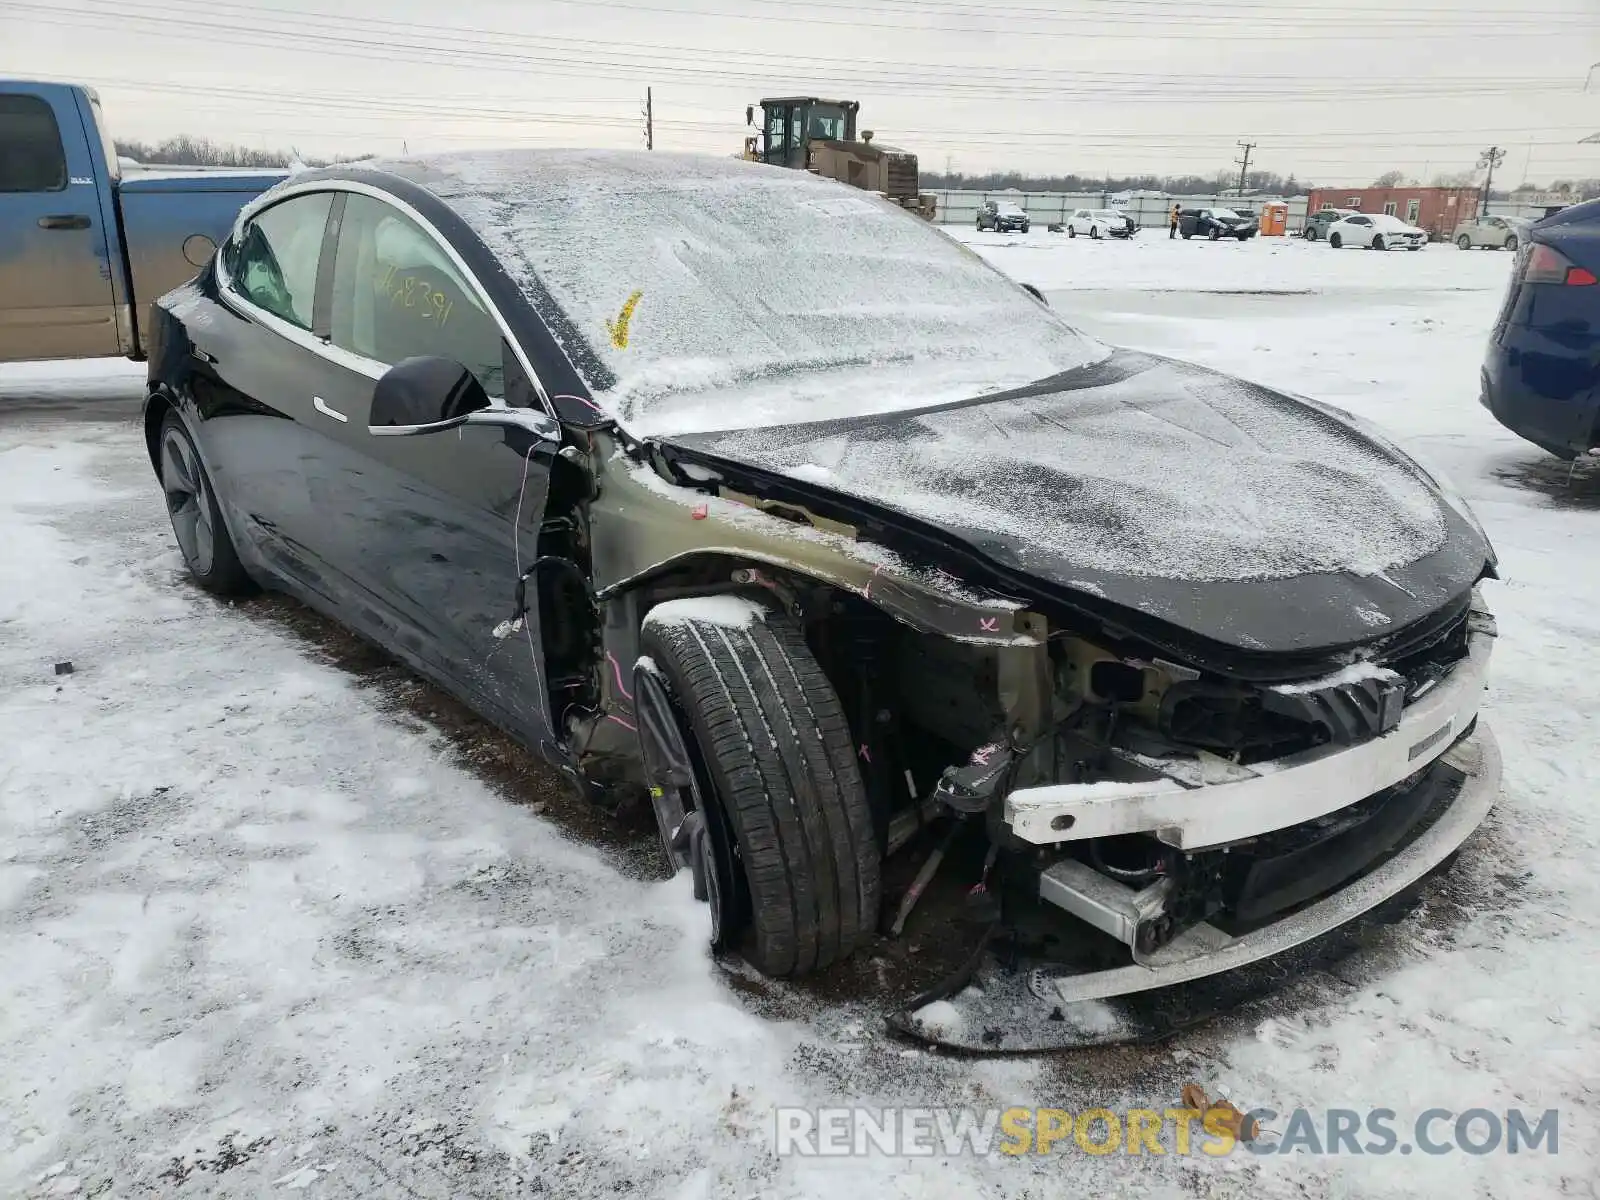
1491 158
1244 163
649 121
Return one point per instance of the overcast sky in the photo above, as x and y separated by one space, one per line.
1331 92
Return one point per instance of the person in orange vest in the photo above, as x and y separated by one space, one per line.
1172 230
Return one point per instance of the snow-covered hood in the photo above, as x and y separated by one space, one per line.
1241 515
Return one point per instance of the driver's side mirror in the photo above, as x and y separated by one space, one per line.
423 395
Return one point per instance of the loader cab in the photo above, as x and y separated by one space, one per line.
791 123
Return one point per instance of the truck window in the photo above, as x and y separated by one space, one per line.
396 294
274 264
31 156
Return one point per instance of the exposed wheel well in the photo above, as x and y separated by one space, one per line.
155 413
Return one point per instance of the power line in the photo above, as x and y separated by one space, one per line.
592 66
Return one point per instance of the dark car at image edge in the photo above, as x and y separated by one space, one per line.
1541 374
1185 671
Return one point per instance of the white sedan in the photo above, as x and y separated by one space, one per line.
1097 223
1375 231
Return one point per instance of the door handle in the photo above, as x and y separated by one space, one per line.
64 221
321 405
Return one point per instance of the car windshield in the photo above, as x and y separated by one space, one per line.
699 293
1006 208
1388 221
1223 212
1108 214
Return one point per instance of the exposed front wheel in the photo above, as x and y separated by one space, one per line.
1335 241
1072 231
1464 242
1377 243
753 775
196 520
1511 242
1094 232
1214 234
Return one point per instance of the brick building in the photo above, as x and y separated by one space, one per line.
1436 209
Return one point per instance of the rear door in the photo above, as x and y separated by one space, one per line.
256 373
435 530
55 278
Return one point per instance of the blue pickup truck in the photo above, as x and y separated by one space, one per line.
85 246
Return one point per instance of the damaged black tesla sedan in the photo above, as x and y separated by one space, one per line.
710 481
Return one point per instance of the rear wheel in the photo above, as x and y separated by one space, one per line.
766 788
196 520
1310 233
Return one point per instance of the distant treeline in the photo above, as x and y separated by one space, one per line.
186 150
1265 182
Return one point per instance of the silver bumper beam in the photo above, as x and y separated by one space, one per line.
1206 950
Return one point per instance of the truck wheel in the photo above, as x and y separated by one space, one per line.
774 780
196 521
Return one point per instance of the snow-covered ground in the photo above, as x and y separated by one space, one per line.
261 932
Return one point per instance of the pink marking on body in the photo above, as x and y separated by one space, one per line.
981 755
866 592
586 403
617 670
699 511
989 624
865 753
624 724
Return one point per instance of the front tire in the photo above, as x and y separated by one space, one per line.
1094 232
777 760
1335 241
203 539
1214 234
1511 243
1310 233
1377 243
1072 231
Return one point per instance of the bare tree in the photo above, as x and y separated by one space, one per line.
1389 179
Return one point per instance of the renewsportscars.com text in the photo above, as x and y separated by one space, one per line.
930 1132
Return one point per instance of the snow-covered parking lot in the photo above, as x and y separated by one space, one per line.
269 925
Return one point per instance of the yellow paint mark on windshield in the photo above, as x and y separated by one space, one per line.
619 327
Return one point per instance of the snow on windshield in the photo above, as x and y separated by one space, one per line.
1010 210
688 275
1223 212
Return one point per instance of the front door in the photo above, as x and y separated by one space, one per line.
437 529
56 298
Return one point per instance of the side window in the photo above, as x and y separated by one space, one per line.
397 295
31 157
274 261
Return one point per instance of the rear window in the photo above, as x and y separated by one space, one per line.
31 156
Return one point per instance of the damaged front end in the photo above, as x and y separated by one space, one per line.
1169 826
1123 807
